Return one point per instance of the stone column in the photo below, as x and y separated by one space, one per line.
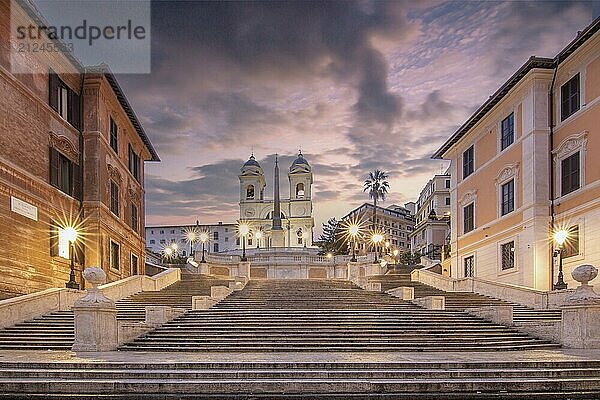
580 325
95 317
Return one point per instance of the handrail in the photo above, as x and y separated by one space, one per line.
23 308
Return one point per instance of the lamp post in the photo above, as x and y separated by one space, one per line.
376 238
192 237
167 253
71 235
353 230
203 238
258 237
387 247
395 253
560 237
244 229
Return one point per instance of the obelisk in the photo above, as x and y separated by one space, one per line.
277 234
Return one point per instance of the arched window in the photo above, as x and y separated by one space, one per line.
250 192
300 190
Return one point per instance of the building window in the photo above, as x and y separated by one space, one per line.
468 162
249 241
134 264
134 217
468 218
134 164
447 183
508 131
172 231
114 198
447 201
63 100
114 255
508 197
114 135
250 192
570 172
152 241
216 247
569 98
64 174
226 238
237 241
469 266
507 251
571 245
162 232
300 190
163 241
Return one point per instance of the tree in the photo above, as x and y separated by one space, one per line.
332 238
408 258
378 186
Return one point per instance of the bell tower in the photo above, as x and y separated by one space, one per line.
302 223
252 188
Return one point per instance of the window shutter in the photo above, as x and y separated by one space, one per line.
53 90
54 167
74 110
77 182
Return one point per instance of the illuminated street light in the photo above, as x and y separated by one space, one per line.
376 238
395 253
203 237
560 237
387 247
243 230
191 236
258 235
353 230
329 256
71 235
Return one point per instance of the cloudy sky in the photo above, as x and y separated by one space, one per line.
356 85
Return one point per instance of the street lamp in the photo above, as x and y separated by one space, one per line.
203 237
395 253
243 230
71 235
167 252
353 230
560 237
387 247
258 235
376 238
191 236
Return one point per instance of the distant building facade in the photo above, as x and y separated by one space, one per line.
524 165
221 237
72 151
432 219
395 222
295 224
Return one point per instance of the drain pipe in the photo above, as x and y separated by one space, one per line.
551 122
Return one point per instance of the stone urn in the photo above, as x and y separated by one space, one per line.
94 297
584 293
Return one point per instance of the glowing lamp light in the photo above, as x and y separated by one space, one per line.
353 230
387 244
395 252
561 236
203 237
244 229
258 234
174 246
191 236
168 251
70 234
329 256
377 238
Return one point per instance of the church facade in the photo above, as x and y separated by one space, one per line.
277 222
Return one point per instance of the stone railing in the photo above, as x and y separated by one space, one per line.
23 308
519 294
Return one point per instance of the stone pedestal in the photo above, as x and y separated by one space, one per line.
581 326
403 292
502 315
244 269
277 238
202 302
431 302
95 317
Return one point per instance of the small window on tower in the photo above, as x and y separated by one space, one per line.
250 192
300 190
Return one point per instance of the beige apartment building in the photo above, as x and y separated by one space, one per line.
526 164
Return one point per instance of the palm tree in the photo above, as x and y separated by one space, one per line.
378 186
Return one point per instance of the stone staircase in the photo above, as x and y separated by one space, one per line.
56 331
462 300
323 316
302 380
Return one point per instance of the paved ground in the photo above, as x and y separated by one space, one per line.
169 358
